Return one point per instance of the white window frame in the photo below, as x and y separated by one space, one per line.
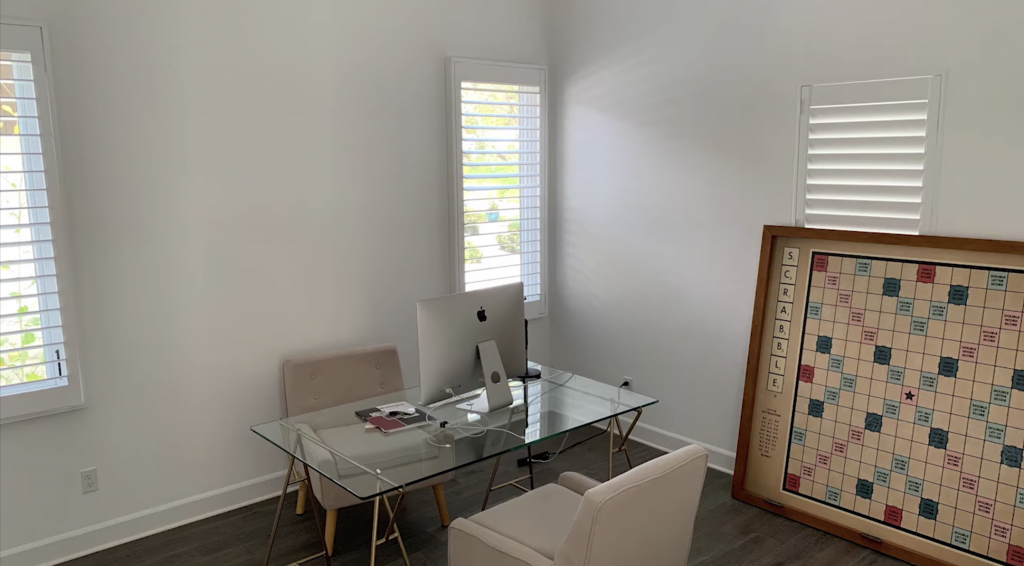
498 72
67 394
933 149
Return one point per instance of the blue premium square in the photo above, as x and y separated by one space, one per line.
873 422
1018 379
1011 457
928 509
938 438
958 295
824 345
949 367
883 354
815 408
891 287
865 489
904 306
835 363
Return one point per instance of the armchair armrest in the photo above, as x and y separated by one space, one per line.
577 482
470 544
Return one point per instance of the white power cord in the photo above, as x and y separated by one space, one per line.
478 430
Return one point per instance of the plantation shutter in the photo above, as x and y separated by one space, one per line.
499 115
35 374
866 151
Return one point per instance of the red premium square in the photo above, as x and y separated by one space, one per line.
792 482
893 515
1015 556
807 374
820 263
926 274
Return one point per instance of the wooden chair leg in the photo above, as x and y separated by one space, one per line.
331 527
442 505
300 505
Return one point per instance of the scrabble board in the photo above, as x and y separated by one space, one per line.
892 378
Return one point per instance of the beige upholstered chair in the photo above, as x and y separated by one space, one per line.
328 380
644 516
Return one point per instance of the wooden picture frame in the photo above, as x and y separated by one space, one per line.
757 457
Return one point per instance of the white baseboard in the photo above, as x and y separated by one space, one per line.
94 538
718 458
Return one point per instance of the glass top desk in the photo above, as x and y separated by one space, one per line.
370 465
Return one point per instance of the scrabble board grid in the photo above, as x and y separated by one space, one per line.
909 407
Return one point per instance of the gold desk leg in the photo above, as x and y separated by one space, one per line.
487 493
513 483
316 515
280 506
622 446
612 449
373 531
392 523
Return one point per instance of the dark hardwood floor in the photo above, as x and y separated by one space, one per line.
727 532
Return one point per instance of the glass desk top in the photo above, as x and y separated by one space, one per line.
368 463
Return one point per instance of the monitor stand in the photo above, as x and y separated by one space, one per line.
498 394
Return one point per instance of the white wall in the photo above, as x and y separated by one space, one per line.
675 134
246 180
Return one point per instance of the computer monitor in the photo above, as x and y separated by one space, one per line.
450 328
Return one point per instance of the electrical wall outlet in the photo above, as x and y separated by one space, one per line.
90 480
628 381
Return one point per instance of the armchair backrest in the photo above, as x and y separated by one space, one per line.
328 380
645 516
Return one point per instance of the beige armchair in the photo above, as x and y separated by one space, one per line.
323 381
644 516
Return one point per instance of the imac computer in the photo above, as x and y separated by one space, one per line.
466 337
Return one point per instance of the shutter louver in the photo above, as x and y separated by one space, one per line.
31 338
863 154
501 182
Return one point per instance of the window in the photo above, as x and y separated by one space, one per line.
868 157
37 373
498 169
